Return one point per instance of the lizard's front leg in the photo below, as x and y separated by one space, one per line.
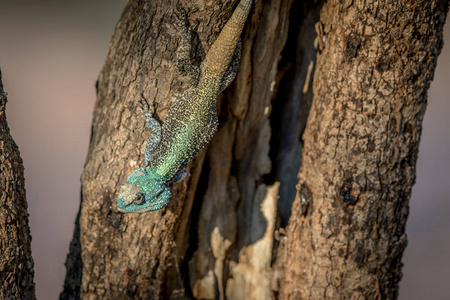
154 127
184 66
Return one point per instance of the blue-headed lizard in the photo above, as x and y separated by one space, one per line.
192 120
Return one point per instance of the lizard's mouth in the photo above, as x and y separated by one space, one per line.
142 193
130 194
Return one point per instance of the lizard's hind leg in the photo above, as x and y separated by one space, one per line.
184 66
154 127
230 74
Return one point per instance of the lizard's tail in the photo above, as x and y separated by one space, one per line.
221 52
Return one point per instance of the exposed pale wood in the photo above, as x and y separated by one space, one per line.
232 226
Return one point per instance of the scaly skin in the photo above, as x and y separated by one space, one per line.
191 121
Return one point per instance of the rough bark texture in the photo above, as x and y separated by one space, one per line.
143 255
236 221
220 234
346 234
16 263
293 97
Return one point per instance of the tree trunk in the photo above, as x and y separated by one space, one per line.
16 263
220 235
346 234
145 255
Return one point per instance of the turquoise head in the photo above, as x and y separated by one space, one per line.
144 191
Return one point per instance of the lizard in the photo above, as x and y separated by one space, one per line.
191 121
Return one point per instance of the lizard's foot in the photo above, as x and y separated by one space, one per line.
180 176
185 68
145 109
154 126
181 20
230 74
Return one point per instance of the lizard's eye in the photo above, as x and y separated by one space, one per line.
139 199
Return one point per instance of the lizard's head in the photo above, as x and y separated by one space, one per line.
143 192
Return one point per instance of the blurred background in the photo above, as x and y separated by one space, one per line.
51 54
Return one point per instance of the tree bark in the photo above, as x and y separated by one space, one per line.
136 256
237 207
16 262
346 234
221 236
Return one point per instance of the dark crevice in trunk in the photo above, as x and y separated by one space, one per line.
200 192
290 107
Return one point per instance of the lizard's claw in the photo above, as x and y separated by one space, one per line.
143 105
145 108
181 20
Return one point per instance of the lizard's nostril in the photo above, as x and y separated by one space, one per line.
159 194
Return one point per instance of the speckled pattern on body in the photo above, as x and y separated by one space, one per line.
191 121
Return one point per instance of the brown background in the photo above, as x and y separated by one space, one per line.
51 53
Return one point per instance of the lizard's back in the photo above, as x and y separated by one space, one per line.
188 127
191 121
